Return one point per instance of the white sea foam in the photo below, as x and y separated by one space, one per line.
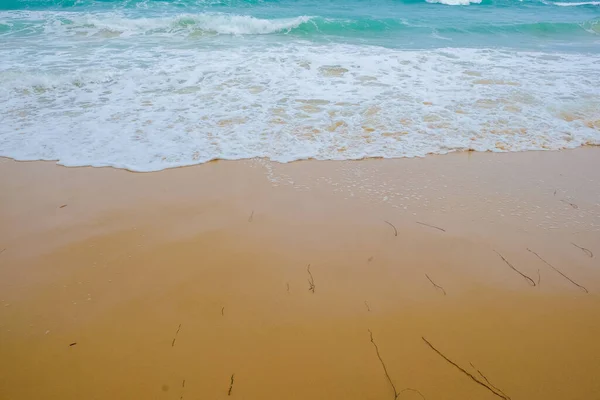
149 107
583 3
454 2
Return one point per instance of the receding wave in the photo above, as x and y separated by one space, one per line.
291 102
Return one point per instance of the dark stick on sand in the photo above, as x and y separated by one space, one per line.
575 206
311 281
586 251
435 285
387 375
396 393
392 225
487 380
431 226
231 385
175 338
497 392
529 280
557 270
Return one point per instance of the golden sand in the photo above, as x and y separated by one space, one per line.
194 283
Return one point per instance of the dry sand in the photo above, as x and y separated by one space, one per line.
171 285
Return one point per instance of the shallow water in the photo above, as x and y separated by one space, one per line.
148 85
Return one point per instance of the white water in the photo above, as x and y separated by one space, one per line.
584 3
455 2
178 106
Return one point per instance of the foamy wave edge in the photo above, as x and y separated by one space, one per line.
584 3
454 2
151 168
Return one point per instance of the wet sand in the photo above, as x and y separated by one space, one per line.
194 283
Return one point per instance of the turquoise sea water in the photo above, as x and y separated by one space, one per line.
148 85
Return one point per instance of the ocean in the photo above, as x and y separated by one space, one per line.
152 84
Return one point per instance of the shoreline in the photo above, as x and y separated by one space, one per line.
309 159
193 281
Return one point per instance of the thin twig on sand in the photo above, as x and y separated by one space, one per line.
529 280
392 225
497 392
231 385
586 251
288 287
435 285
575 206
487 380
396 392
557 270
367 305
175 338
251 217
411 390
311 281
431 226
222 311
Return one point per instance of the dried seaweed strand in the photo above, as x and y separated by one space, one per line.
231 385
435 285
529 280
412 390
487 380
431 226
557 270
392 225
311 281
396 393
485 385
575 206
175 338
586 251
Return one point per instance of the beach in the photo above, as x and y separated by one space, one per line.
459 276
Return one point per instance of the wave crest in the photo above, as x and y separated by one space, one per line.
204 22
584 3
455 2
